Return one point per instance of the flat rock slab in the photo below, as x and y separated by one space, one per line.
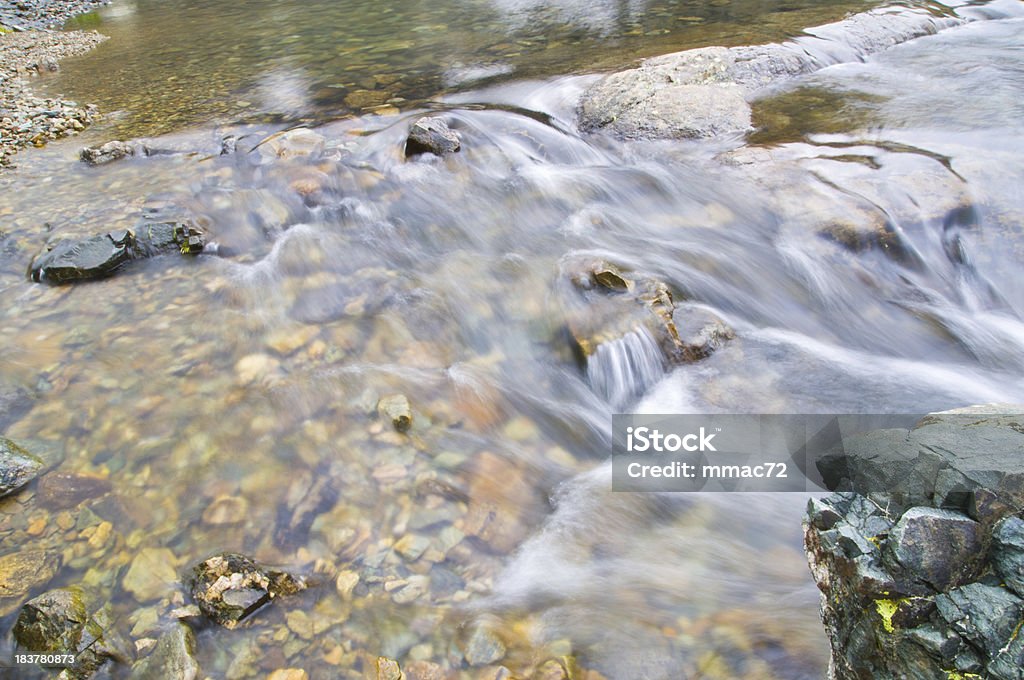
705 92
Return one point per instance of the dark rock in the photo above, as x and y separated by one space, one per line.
173 658
91 258
17 467
431 135
908 564
111 151
59 622
229 587
100 256
1008 553
63 491
941 548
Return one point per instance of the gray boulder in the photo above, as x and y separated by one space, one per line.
431 135
919 560
59 622
17 467
111 151
705 92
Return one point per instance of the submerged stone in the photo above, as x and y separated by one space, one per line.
395 407
173 658
23 570
230 587
18 467
111 151
431 135
483 647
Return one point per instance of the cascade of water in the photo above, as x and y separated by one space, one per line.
623 369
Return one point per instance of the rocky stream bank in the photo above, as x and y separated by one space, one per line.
29 48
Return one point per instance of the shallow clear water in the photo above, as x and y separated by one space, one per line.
359 274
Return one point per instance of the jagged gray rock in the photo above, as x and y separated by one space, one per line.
920 572
18 467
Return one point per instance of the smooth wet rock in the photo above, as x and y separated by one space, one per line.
396 408
15 402
226 510
173 658
66 490
603 304
94 257
289 144
23 570
151 575
18 467
1008 553
942 548
431 135
59 622
705 92
483 647
388 669
230 587
111 151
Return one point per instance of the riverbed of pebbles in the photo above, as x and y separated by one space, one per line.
42 14
25 118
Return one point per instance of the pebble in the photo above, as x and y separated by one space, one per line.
346 582
483 647
226 510
288 674
152 575
388 669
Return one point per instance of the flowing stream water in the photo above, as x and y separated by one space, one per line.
864 244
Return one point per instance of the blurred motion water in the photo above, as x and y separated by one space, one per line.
864 243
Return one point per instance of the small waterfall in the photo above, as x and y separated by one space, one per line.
623 369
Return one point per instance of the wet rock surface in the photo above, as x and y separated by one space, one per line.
100 256
432 135
705 92
173 658
59 622
15 402
604 303
920 577
230 587
17 467
111 151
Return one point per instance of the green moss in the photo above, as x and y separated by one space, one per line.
887 609
954 675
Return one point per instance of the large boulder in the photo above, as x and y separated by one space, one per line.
920 558
17 467
59 622
705 92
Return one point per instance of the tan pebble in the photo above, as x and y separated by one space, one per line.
36 526
101 535
346 582
254 367
226 510
316 349
424 670
392 472
289 674
288 340
388 669
65 520
143 645
335 656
